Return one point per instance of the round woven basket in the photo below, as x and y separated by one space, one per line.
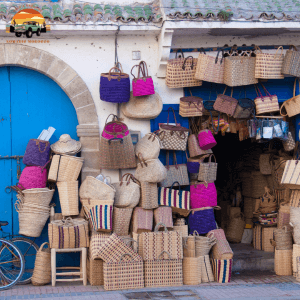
32 223
191 271
296 253
148 146
68 197
38 196
69 168
283 262
42 267
283 238
203 245
53 171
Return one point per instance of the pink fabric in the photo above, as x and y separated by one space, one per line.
206 139
202 196
33 178
122 130
142 88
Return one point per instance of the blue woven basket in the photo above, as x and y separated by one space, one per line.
202 221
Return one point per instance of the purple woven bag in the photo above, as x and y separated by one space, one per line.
115 86
37 153
193 167
202 221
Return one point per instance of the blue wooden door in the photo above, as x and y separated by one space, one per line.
30 102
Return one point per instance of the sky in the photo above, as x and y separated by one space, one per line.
28 15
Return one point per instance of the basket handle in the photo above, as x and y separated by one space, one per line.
192 65
283 106
160 224
280 47
174 184
195 233
170 257
121 258
171 108
216 60
42 142
272 242
179 50
141 160
42 246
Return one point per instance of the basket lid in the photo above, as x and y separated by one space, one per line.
66 145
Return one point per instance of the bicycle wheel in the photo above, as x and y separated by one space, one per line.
11 264
28 249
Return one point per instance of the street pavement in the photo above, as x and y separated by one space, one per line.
248 286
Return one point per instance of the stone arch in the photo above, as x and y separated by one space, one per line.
72 84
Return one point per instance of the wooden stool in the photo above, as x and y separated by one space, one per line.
82 269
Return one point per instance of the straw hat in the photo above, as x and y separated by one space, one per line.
66 145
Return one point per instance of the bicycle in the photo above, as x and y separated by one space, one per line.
28 249
12 262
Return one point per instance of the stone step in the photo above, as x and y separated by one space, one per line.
246 258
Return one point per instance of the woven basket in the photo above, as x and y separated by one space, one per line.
148 146
191 106
292 106
69 168
183 230
265 167
203 245
269 66
294 215
239 70
42 266
124 274
40 197
206 270
296 253
267 236
121 220
233 212
298 268
189 246
94 269
222 270
142 220
149 195
98 239
283 262
163 214
92 188
248 208
257 237
68 197
291 62
53 171
179 222
163 271
181 72
296 234
191 271
295 198
235 229
259 182
221 250
283 238
210 68
284 215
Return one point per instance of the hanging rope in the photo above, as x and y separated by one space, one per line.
116 48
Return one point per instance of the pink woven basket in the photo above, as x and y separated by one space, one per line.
114 129
206 139
203 195
33 177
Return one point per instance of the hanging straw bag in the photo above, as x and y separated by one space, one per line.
226 104
191 106
42 267
193 164
208 171
148 146
142 107
206 139
181 72
291 62
149 195
244 109
116 146
203 194
115 86
210 68
292 106
151 170
37 153
265 104
269 66
143 84
239 70
175 173
290 143
173 137
128 192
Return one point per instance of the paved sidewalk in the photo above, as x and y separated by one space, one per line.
264 286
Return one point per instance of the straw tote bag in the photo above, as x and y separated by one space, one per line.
142 107
128 192
290 143
151 170
226 104
143 84
239 70
116 146
115 86
291 62
210 68
191 106
292 106
269 66
148 146
265 104
244 109
208 171
203 194
181 72
175 173
173 137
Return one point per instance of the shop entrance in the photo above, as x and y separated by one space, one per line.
30 102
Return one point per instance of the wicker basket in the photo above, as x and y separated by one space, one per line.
149 195
40 197
68 197
221 250
292 106
267 236
283 262
184 230
235 229
191 271
259 182
142 220
189 246
296 253
69 168
163 214
42 266
98 239
257 237
94 269
53 171
203 245
283 238
296 234
298 268
222 270
284 215
163 271
121 220
206 269
294 215
291 62
269 66
179 222
124 274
